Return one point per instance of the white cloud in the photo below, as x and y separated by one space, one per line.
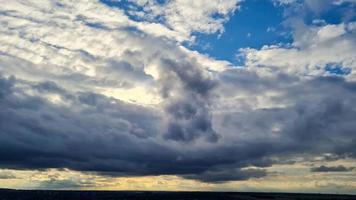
313 48
83 41
186 17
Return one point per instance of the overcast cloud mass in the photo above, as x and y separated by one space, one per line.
116 88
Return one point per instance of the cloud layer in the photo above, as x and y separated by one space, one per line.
96 88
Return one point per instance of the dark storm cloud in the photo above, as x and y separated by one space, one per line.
325 115
320 117
186 90
91 132
223 175
339 168
94 133
38 134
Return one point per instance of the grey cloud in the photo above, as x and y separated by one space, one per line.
319 116
7 175
127 70
189 121
114 138
30 124
186 90
91 132
95 133
123 68
222 176
6 85
339 168
66 184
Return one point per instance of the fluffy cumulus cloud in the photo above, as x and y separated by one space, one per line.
183 17
90 86
316 51
319 48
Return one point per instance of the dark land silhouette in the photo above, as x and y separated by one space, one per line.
8 194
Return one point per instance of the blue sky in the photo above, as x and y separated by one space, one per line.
262 22
256 24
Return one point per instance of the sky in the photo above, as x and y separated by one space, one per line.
178 95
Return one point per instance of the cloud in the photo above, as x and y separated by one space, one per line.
221 176
61 86
187 101
37 121
176 15
324 168
312 50
91 132
66 184
4 175
296 116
